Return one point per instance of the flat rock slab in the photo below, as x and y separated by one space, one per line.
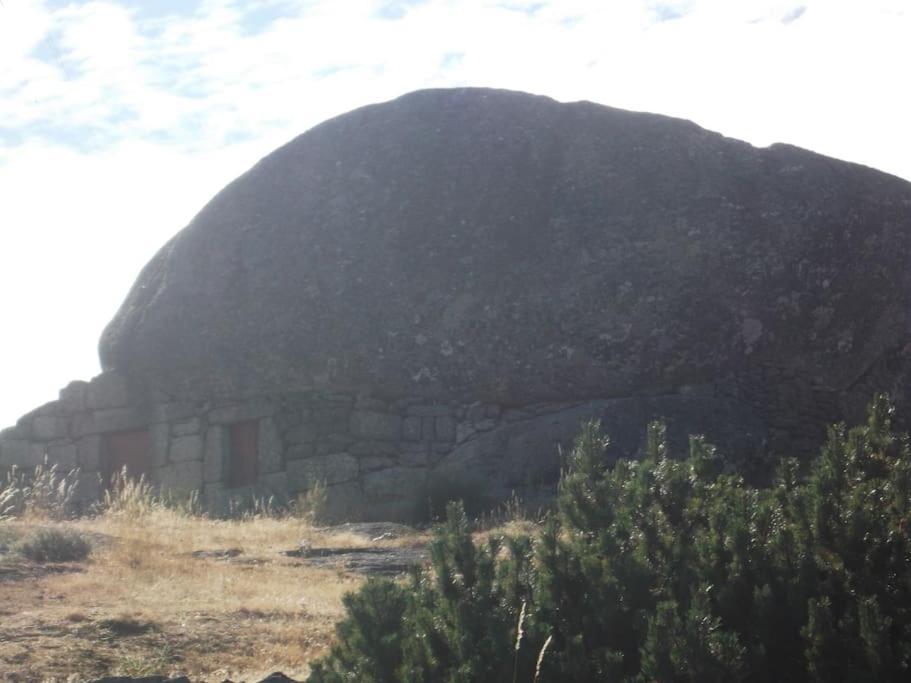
221 554
373 531
276 677
20 570
370 561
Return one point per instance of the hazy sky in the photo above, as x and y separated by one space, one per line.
120 119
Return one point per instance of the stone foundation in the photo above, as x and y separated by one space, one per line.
378 459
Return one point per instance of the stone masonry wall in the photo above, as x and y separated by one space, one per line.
378 459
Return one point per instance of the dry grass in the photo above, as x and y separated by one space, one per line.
143 604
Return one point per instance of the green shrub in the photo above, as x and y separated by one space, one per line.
54 545
665 570
443 489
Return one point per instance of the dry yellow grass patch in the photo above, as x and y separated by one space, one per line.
143 604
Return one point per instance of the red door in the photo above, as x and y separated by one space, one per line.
130 450
242 453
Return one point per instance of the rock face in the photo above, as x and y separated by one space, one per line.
438 289
503 247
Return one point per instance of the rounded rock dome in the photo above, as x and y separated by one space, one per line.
493 245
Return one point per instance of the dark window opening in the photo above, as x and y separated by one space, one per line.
125 450
243 452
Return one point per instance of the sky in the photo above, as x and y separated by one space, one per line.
119 119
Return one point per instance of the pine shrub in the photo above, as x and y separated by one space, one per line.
667 569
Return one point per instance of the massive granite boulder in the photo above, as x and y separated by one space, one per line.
475 244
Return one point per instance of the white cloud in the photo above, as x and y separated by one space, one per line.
120 123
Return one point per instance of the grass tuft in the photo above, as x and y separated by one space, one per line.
54 545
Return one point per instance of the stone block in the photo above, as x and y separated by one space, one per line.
179 478
107 390
337 442
252 410
344 502
427 424
216 454
300 451
186 448
270 448
171 411
394 483
88 487
73 397
303 433
88 453
275 484
13 434
371 463
49 428
21 453
159 444
368 448
113 420
330 414
369 403
187 427
330 469
411 428
63 455
414 455
368 424
445 428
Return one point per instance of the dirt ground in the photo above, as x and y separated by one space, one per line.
171 594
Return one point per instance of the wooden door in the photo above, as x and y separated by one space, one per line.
243 452
131 450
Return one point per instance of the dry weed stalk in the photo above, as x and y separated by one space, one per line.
47 492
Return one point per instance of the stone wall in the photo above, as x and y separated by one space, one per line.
378 459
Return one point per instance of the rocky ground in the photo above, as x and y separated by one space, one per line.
168 595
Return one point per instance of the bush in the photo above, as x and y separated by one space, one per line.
665 570
54 545
443 489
